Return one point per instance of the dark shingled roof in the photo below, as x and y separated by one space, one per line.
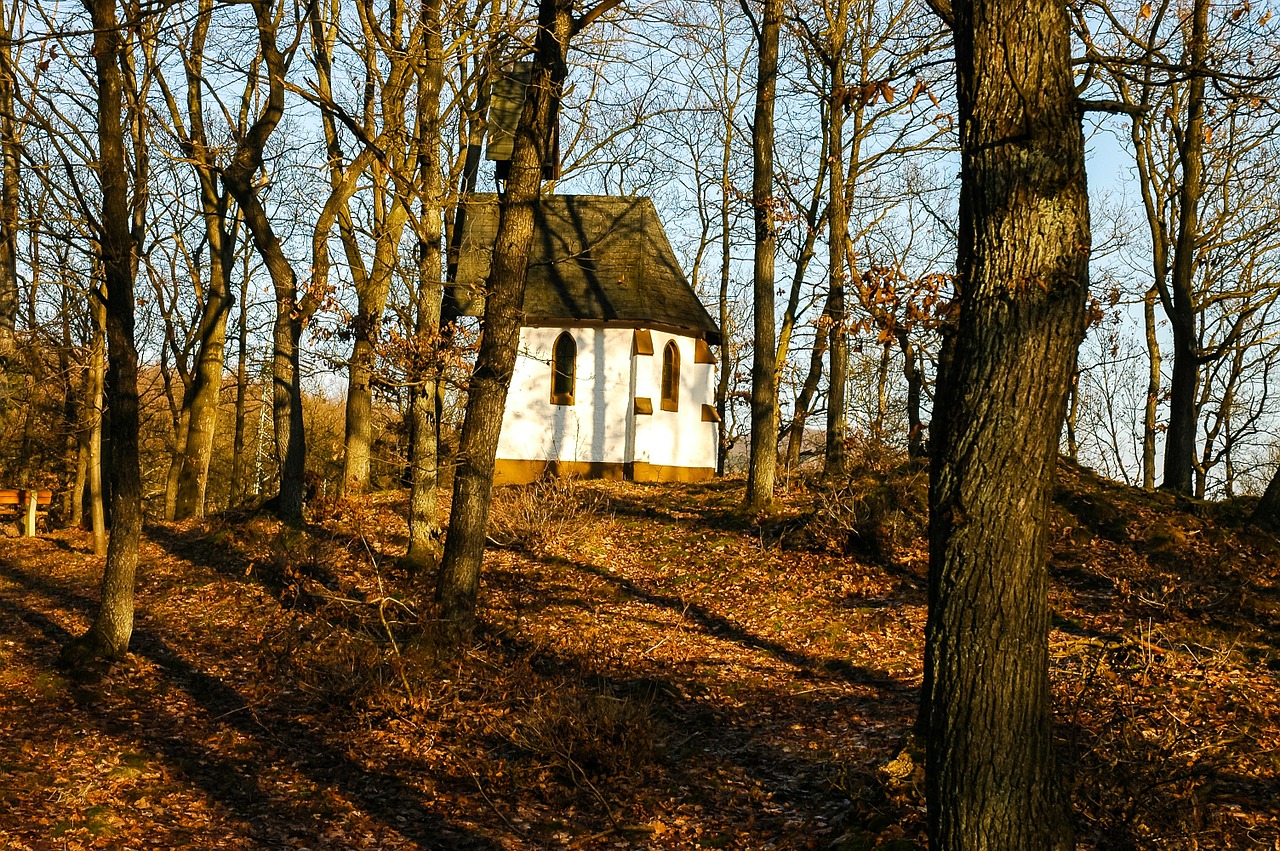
594 258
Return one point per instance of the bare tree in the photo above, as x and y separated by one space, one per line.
119 233
459 579
764 389
242 179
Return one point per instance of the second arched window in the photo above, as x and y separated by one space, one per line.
671 377
563 370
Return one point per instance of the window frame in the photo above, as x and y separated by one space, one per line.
670 377
564 395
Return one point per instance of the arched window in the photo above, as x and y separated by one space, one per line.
671 377
563 370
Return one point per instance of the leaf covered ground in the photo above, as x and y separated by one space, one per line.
654 670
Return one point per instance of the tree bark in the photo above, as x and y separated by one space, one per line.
1151 407
764 390
424 425
1181 308
804 399
833 469
112 628
291 313
915 392
1267 512
96 381
239 463
459 580
991 782
9 188
204 393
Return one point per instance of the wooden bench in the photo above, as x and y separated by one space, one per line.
26 503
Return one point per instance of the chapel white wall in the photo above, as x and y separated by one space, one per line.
600 426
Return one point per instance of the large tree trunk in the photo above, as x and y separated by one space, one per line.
112 627
1022 281
459 581
1267 512
764 389
204 395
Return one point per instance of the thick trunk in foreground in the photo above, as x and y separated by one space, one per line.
108 637
764 389
991 782
459 581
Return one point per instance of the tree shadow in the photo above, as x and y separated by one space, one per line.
718 626
394 804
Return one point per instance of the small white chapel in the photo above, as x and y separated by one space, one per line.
615 376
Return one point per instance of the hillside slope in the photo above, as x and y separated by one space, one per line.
656 671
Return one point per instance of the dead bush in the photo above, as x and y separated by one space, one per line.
875 514
553 511
588 734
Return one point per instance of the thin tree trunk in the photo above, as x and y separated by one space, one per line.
459 580
291 312
804 399
915 392
1180 439
726 244
204 394
239 463
97 370
838 215
9 189
991 782
764 390
1152 405
1073 407
424 426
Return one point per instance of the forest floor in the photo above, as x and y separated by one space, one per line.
653 670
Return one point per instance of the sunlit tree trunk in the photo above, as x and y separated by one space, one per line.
764 389
424 525
10 160
991 781
239 458
292 312
112 627
459 579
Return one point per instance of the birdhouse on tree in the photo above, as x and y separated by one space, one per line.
506 99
